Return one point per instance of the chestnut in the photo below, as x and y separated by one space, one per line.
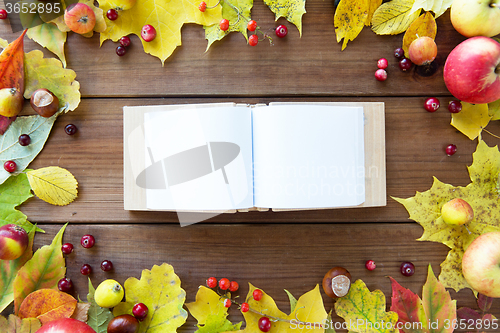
337 282
123 324
44 102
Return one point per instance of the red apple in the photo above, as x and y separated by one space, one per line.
80 18
481 264
457 212
66 325
13 241
472 70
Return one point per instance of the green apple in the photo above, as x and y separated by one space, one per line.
481 264
476 18
457 212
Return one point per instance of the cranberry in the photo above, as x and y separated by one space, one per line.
112 14
405 64
24 139
148 33
211 282
106 265
10 166
70 129
407 268
399 53
382 63
451 149
86 269
87 241
381 74
65 285
140 311
3 14
121 50
125 41
67 248
370 265
264 324
455 106
281 31
431 104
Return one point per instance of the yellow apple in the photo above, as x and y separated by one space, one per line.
476 18
11 102
457 212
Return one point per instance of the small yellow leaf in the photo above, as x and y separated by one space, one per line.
393 17
424 25
471 120
494 110
54 185
207 302
350 18
292 10
374 4
438 7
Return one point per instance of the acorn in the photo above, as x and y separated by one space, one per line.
337 282
44 102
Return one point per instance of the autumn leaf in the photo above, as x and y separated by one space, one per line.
409 308
471 120
494 110
481 194
349 19
47 305
43 270
160 290
374 4
209 310
98 318
436 6
81 312
364 311
9 269
213 33
293 300
38 128
54 185
17 325
48 73
424 25
393 17
14 192
291 10
473 316
167 17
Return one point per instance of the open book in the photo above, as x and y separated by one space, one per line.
227 157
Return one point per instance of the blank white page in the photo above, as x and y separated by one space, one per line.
308 156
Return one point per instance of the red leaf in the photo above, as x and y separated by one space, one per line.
484 302
468 314
408 306
5 123
12 65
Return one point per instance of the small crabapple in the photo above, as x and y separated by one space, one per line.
265 324
140 311
67 248
455 106
125 41
10 166
65 285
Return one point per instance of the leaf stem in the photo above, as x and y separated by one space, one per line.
493 135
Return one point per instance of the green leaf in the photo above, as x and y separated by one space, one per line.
43 270
218 322
48 73
293 301
330 326
291 10
393 17
160 290
14 192
364 311
37 127
214 33
8 272
98 318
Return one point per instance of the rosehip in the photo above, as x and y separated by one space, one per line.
227 302
202 6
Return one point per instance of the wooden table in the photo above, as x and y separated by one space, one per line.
291 250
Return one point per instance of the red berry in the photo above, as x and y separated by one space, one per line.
227 302
3 14
86 269
382 63
148 33
264 324
106 265
224 25
224 284
67 248
405 64
202 6
381 74
121 50
399 53
65 285
245 307
407 269
253 40
257 294
281 31
125 41
451 149
370 265
252 25
70 129
87 241
233 286
140 311
10 166
112 14
24 140
431 104
455 106
211 282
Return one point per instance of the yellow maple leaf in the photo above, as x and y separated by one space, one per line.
166 16
292 10
207 302
494 110
482 194
54 185
471 120
374 4
349 19
424 25
393 17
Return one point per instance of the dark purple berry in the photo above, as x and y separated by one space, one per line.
70 129
65 285
455 107
451 149
432 104
281 31
67 248
106 265
86 269
125 41
87 241
24 139
405 64
112 14
121 50
140 311
407 268
399 53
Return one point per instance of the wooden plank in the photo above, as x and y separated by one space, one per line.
415 142
311 65
271 257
